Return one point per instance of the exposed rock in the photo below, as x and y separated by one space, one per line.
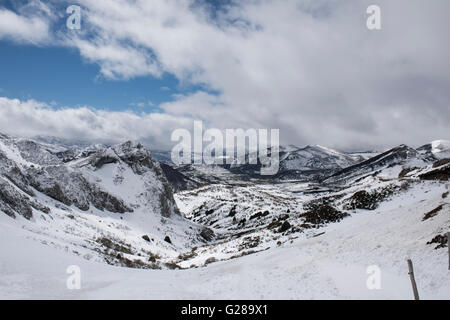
284 227
440 173
259 215
207 234
114 245
369 201
167 239
12 202
100 160
249 243
441 240
172 266
432 213
177 180
362 200
14 174
42 181
405 171
441 162
210 260
323 213
232 212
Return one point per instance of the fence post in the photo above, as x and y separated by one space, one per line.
413 280
448 245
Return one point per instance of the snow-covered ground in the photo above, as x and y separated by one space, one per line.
330 266
112 213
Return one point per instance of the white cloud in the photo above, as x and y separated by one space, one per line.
117 61
310 68
24 29
31 118
148 103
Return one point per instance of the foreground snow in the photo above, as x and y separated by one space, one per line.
329 266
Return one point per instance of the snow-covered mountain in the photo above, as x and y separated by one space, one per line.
394 162
438 149
295 163
396 201
98 197
57 144
314 238
313 162
307 164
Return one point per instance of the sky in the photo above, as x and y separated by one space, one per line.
311 68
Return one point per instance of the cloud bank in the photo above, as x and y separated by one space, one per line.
86 123
310 68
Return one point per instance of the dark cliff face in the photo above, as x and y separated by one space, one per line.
176 179
72 188
440 171
42 171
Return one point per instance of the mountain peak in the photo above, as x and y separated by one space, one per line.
440 145
440 148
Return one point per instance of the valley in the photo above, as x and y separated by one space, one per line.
222 233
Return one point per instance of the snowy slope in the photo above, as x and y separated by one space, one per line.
330 266
99 206
113 208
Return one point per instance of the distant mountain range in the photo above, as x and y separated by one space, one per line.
401 157
117 203
311 163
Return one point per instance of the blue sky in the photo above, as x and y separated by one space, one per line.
59 75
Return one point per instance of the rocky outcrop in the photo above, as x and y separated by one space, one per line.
69 177
177 180
13 202
441 173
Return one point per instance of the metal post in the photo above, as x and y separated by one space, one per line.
448 245
413 280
